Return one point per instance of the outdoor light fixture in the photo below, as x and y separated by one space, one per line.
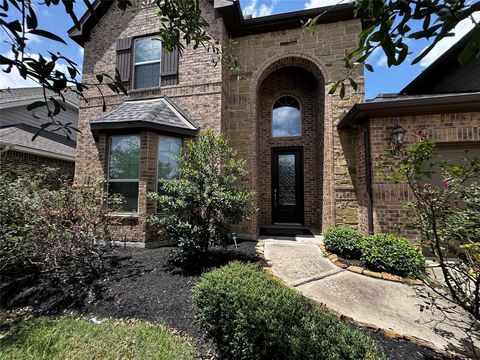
397 135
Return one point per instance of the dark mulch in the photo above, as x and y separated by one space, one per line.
142 284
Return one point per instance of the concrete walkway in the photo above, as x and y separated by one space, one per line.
393 307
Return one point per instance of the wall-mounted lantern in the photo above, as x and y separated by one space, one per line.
397 135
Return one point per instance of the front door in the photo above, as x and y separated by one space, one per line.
287 185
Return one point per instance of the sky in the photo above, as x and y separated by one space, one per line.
382 80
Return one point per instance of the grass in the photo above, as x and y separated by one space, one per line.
72 337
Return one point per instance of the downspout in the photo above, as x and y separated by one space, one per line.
368 179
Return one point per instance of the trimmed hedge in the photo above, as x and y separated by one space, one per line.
393 254
253 316
344 241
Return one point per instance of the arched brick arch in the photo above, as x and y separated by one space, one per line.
315 67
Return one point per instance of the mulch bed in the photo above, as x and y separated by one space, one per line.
142 284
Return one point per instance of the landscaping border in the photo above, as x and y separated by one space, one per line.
363 271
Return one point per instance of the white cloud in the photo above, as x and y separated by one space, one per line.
256 10
13 78
320 3
443 45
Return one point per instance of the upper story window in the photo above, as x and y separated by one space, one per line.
123 169
169 150
147 58
286 117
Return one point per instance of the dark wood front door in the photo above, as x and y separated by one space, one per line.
287 185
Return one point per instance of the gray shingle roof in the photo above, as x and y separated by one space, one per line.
51 144
30 93
157 113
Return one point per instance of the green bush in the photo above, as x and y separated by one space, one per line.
253 316
198 209
393 254
344 241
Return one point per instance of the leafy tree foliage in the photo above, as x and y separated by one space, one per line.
447 217
198 209
183 25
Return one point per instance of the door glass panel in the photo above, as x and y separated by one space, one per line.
286 180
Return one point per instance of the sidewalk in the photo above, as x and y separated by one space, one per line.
392 306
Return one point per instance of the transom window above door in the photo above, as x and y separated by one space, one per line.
286 117
148 53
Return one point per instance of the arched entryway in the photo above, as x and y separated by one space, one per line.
289 112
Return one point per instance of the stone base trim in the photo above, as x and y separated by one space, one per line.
363 271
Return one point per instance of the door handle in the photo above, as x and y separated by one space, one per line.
275 197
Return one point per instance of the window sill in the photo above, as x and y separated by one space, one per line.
133 215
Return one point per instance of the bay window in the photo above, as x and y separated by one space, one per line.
123 170
169 150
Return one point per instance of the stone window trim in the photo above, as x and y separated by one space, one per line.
150 62
281 138
108 180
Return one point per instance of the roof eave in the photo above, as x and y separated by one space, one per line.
424 105
121 126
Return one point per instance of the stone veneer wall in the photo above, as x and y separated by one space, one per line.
199 93
390 214
320 52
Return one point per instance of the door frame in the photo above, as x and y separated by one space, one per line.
299 179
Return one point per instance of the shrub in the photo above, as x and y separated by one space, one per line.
51 234
253 316
198 209
393 254
344 241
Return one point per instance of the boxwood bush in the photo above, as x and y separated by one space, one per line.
344 241
253 316
393 254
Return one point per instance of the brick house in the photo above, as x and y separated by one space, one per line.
18 126
278 115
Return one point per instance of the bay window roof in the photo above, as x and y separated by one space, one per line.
159 114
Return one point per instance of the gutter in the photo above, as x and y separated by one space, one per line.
25 149
434 104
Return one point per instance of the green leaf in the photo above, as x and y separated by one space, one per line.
47 34
353 84
35 105
369 67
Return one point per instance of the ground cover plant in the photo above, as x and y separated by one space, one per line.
198 209
379 252
253 316
50 233
446 216
71 337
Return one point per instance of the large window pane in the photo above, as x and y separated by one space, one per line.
147 75
123 170
147 49
124 157
129 193
169 149
286 117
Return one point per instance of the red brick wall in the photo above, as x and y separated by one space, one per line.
390 215
34 163
304 86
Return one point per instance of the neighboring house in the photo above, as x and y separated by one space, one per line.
443 102
18 126
278 115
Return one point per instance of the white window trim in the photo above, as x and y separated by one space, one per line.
301 118
121 212
135 64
